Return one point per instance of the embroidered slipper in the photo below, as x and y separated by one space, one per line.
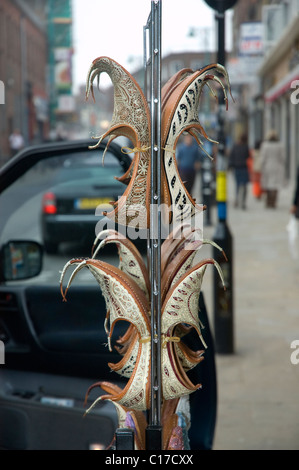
130 259
131 263
173 241
177 266
188 358
131 118
181 307
126 365
136 420
124 341
127 418
124 301
172 83
180 114
181 259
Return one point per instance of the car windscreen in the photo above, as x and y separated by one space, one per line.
21 214
89 169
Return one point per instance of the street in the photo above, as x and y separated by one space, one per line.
258 384
24 223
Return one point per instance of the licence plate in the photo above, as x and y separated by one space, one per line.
91 203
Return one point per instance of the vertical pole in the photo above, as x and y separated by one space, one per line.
24 77
206 166
223 300
154 430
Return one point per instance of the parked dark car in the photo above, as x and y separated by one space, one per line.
82 189
54 350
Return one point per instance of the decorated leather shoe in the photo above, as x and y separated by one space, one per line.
127 418
131 118
131 263
130 259
175 419
180 262
180 114
124 301
181 307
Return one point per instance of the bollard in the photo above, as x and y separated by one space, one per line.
124 439
206 189
223 299
154 437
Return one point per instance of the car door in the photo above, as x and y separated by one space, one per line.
54 350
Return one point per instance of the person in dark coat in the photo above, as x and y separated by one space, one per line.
189 161
273 159
238 161
295 205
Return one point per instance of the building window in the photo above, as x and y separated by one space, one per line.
273 24
175 66
197 64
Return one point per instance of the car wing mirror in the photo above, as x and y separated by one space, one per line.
21 259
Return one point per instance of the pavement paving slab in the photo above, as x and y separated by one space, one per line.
258 385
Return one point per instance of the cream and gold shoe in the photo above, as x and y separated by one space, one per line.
131 118
181 307
124 301
180 114
130 259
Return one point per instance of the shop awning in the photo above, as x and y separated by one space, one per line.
283 86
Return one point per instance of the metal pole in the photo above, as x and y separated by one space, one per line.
206 167
223 300
124 437
154 430
24 77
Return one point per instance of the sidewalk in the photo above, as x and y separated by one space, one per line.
258 386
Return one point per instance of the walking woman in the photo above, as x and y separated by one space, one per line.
272 167
238 161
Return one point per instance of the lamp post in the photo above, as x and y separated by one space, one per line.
223 300
206 167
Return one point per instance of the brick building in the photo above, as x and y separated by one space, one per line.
267 96
23 66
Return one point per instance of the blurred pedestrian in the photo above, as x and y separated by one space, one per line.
189 160
292 226
16 142
238 161
272 167
295 205
256 170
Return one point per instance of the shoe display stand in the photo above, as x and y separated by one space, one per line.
160 299
152 64
152 91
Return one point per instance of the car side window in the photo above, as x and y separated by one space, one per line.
55 203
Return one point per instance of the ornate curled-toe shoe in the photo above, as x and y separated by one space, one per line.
132 264
131 118
181 307
181 262
166 91
174 240
171 415
183 238
180 114
130 259
172 83
181 259
127 418
124 301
